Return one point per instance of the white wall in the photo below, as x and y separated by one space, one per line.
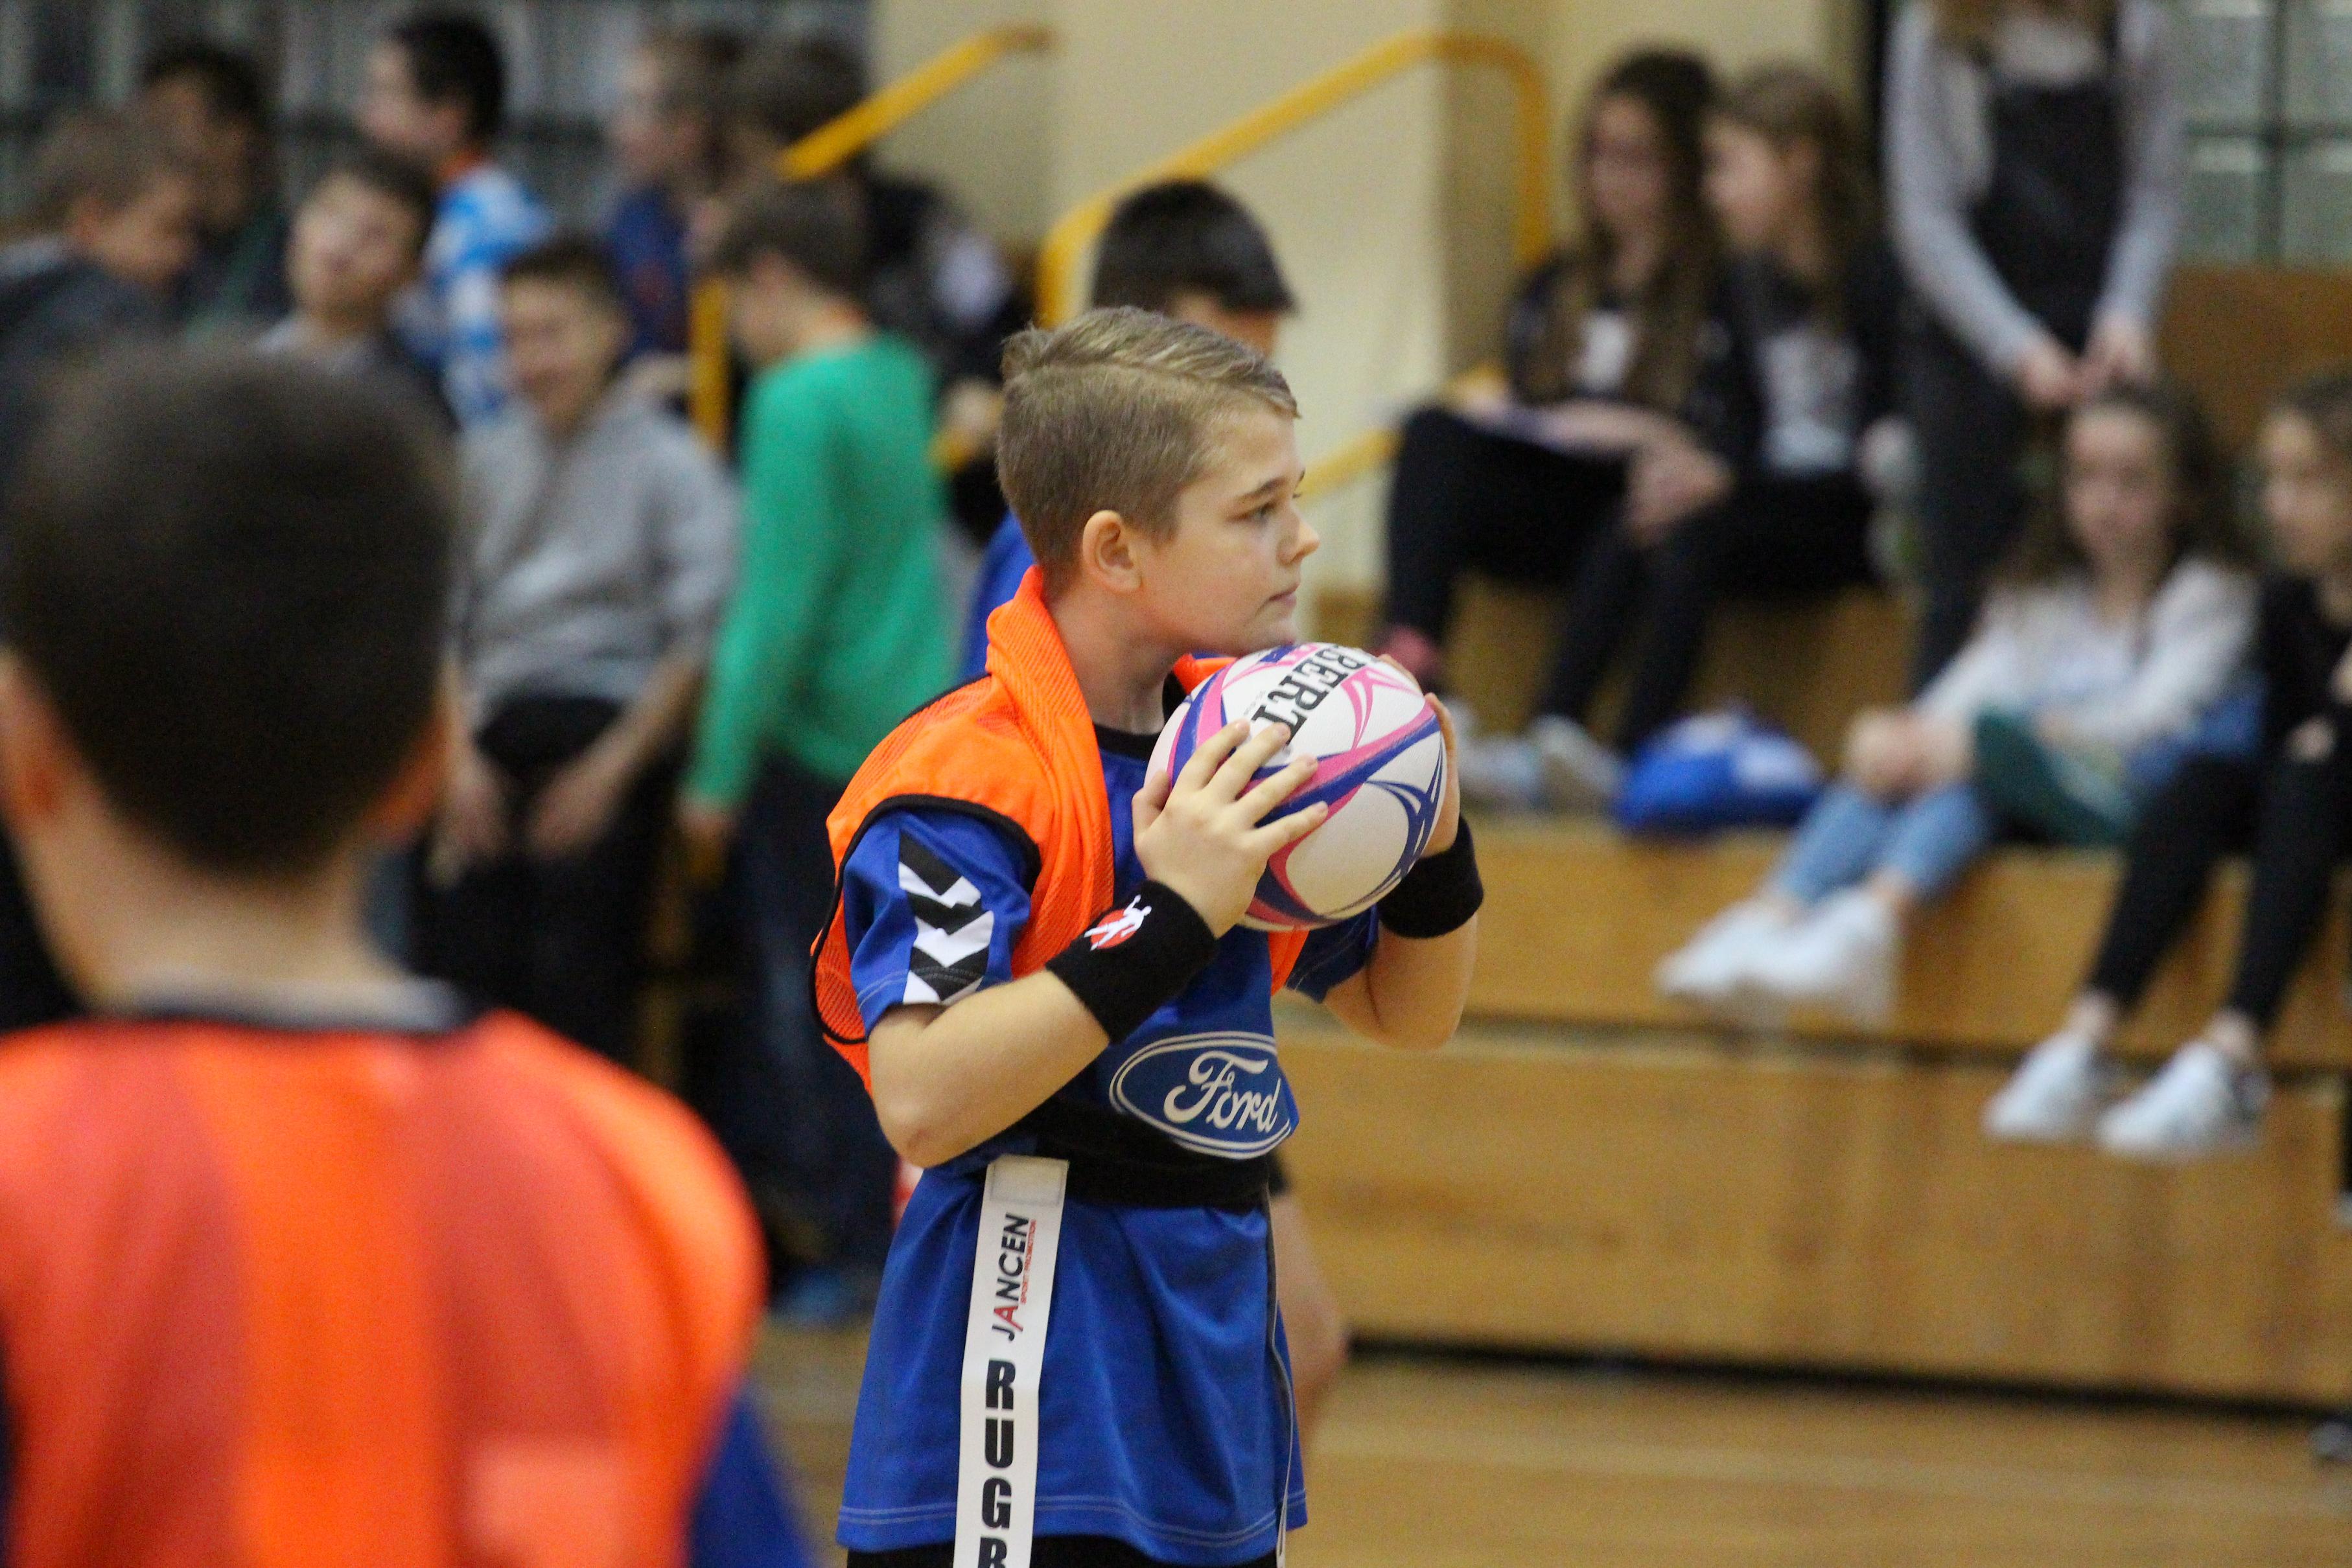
991 142
1353 201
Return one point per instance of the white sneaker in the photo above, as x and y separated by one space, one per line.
2055 1095
2201 1103
1500 771
1709 968
1841 957
1579 774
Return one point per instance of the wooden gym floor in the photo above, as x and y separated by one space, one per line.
1438 1462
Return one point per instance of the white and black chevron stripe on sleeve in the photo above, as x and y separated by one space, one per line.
952 926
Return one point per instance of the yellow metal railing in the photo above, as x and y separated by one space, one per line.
821 151
1057 261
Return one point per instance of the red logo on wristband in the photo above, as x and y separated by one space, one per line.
1114 929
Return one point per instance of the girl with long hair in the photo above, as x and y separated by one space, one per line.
1609 384
2119 627
2290 801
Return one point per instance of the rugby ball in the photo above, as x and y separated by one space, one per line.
1380 767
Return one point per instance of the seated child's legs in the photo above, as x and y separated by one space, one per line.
2186 828
1464 498
1604 601
1837 846
1684 575
1933 839
2299 836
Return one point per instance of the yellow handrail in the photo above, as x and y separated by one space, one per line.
1057 261
821 151
836 141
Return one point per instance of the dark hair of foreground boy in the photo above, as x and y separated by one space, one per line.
227 574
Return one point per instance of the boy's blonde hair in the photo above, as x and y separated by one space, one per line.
1115 413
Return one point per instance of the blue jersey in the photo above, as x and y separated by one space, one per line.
1165 1405
451 318
646 238
1008 560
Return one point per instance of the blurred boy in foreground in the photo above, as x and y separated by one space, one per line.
307 1261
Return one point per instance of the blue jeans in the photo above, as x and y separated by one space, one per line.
1928 841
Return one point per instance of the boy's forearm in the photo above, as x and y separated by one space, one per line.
1415 988
947 1082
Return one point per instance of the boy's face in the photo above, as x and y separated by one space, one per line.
397 117
562 347
353 250
1225 580
149 240
652 141
221 150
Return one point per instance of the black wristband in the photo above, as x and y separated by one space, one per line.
1438 896
1135 959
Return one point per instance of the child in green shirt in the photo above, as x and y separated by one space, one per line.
838 630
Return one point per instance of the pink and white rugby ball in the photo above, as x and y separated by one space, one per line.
1380 767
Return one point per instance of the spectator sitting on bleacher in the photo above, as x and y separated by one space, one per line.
2287 796
1617 366
598 553
837 630
1183 248
357 239
2123 620
1810 298
210 102
2033 165
668 145
436 90
931 278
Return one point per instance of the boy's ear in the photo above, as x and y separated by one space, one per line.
37 757
1107 552
401 812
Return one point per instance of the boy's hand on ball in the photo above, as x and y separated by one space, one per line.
1205 834
1449 805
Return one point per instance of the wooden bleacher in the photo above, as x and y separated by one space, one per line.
1691 1196
1588 1168
1578 916
1809 666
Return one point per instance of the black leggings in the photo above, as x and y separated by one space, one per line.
1049 1552
1465 497
1778 537
2294 815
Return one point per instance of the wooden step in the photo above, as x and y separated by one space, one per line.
1808 665
1682 1198
1578 916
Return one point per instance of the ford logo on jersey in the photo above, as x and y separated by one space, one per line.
1217 1093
